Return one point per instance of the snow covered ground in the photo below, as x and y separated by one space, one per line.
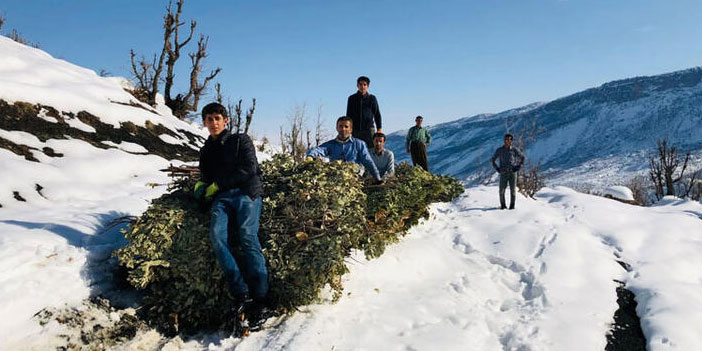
472 277
538 278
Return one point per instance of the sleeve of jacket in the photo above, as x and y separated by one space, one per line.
492 160
376 114
349 103
366 159
407 139
391 167
319 151
246 165
205 177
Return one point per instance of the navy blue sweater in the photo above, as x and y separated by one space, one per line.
230 161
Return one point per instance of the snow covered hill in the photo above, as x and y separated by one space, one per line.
76 151
597 137
67 120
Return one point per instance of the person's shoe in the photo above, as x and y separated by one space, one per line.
241 319
511 206
503 207
258 313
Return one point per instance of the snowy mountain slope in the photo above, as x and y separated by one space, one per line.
76 151
50 108
606 132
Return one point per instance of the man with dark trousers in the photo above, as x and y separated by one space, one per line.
511 160
416 142
231 180
362 108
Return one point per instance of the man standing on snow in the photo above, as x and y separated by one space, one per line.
511 160
418 138
346 148
231 179
363 110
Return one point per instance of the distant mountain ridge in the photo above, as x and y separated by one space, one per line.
606 132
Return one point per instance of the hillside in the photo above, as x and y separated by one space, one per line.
595 137
76 152
56 114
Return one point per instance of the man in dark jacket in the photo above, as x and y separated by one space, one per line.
511 160
231 179
363 110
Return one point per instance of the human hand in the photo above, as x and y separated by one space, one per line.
211 191
199 190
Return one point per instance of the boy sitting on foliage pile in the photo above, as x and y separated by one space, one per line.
231 180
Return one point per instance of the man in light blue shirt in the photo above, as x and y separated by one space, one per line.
383 158
346 148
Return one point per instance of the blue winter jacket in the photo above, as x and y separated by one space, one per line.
352 150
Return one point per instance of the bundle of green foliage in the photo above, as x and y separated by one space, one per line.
313 215
400 203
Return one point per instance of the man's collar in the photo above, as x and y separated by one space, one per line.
378 153
340 141
221 137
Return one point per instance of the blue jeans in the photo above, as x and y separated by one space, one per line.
248 212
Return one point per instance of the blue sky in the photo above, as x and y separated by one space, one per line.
444 60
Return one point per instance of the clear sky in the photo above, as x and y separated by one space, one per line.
441 59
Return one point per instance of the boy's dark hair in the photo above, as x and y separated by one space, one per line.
509 136
379 135
419 117
214 108
344 118
363 79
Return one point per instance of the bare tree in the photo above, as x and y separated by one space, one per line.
148 74
318 127
529 180
219 98
294 138
249 116
639 190
16 36
283 141
190 101
663 167
171 24
142 72
690 187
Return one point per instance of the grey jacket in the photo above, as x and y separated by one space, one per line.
511 160
385 162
